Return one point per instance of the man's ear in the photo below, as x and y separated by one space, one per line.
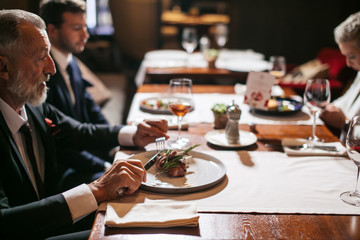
4 65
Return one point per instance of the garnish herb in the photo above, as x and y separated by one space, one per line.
175 161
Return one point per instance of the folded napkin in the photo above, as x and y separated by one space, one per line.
158 215
288 142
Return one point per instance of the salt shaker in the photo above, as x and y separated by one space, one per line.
232 126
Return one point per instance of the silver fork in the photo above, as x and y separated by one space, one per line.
160 146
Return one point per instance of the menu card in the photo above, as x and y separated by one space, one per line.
258 89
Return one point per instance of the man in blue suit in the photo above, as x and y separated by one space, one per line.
67 30
31 207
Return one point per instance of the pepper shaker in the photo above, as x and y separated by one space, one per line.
232 127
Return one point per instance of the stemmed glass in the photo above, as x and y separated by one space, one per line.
221 35
189 39
180 103
278 67
353 149
316 97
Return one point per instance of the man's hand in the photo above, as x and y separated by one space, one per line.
333 116
149 130
128 173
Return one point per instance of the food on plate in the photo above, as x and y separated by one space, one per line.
272 104
281 105
160 104
173 162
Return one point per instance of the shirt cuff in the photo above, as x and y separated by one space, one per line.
81 201
126 134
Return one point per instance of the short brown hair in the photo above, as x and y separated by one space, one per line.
52 10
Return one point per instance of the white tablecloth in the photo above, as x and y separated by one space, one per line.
234 60
271 182
203 114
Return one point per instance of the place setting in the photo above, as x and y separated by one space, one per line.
194 171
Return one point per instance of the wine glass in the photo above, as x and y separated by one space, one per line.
353 149
189 39
278 67
221 35
180 103
316 97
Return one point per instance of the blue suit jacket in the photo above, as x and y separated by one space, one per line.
22 215
58 95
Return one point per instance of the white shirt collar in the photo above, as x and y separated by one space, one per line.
61 59
13 120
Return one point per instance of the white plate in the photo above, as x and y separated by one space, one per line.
150 105
204 171
166 55
166 58
218 138
243 65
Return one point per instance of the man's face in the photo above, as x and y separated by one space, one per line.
352 53
72 35
29 71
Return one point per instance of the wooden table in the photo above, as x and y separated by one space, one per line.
198 75
217 76
239 225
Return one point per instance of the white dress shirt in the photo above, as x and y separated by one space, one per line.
349 103
62 62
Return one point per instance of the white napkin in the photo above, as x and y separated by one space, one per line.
286 142
151 215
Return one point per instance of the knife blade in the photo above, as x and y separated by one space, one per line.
303 146
306 146
151 161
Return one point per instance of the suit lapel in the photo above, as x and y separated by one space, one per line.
19 160
45 138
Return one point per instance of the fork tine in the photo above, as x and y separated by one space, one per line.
160 143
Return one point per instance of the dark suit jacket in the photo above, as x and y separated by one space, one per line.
58 95
22 216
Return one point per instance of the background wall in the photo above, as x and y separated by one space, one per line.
29 5
295 29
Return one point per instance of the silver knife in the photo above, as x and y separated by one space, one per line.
306 146
151 161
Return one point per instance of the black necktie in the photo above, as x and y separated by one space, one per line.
76 90
25 129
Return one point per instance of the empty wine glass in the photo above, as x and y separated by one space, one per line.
221 35
189 39
180 103
316 97
353 149
277 67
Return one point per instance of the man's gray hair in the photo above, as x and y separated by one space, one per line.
349 30
9 28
